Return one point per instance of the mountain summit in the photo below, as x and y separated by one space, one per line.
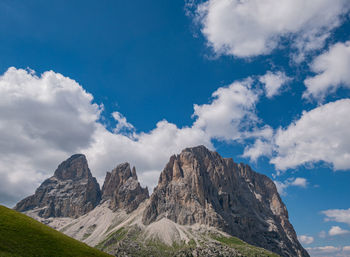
122 188
71 192
198 186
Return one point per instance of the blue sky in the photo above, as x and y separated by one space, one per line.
115 69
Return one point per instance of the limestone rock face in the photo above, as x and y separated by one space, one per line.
199 186
71 192
122 188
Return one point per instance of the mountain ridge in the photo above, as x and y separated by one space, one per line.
196 189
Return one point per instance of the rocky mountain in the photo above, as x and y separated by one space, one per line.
122 188
200 187
71 192
203 205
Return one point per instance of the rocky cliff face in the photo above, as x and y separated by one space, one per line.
199 186
122 188
71 192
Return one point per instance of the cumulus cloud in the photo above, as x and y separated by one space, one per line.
45 119
149 152
42 119
338 215
273 81
230 114
336 230
332 71
321 134
304 239
282 186
253 27
259 148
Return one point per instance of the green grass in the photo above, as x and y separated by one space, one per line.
133 242
21 235
230 241
113 238
244 248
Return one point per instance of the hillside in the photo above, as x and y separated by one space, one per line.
133 241
21 235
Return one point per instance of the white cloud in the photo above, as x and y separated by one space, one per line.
321 134
259 148
328 248
332 68
300 182
273 82
304 239
336 230
328 251
229 116
122 123
282 186
346 248
325 251
338 215
46 119
42 119
149 152
253 27
231 113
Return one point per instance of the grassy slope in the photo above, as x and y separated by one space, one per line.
23 236
244 248
132 242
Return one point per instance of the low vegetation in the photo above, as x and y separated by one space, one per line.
21 235
244 248
131 241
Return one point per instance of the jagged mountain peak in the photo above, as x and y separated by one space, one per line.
198 186
71 192
75 167
198 150
123 189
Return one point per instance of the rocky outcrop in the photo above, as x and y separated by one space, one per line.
71 192
200 187
122 188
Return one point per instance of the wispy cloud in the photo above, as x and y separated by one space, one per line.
282 186
304 239
338 215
